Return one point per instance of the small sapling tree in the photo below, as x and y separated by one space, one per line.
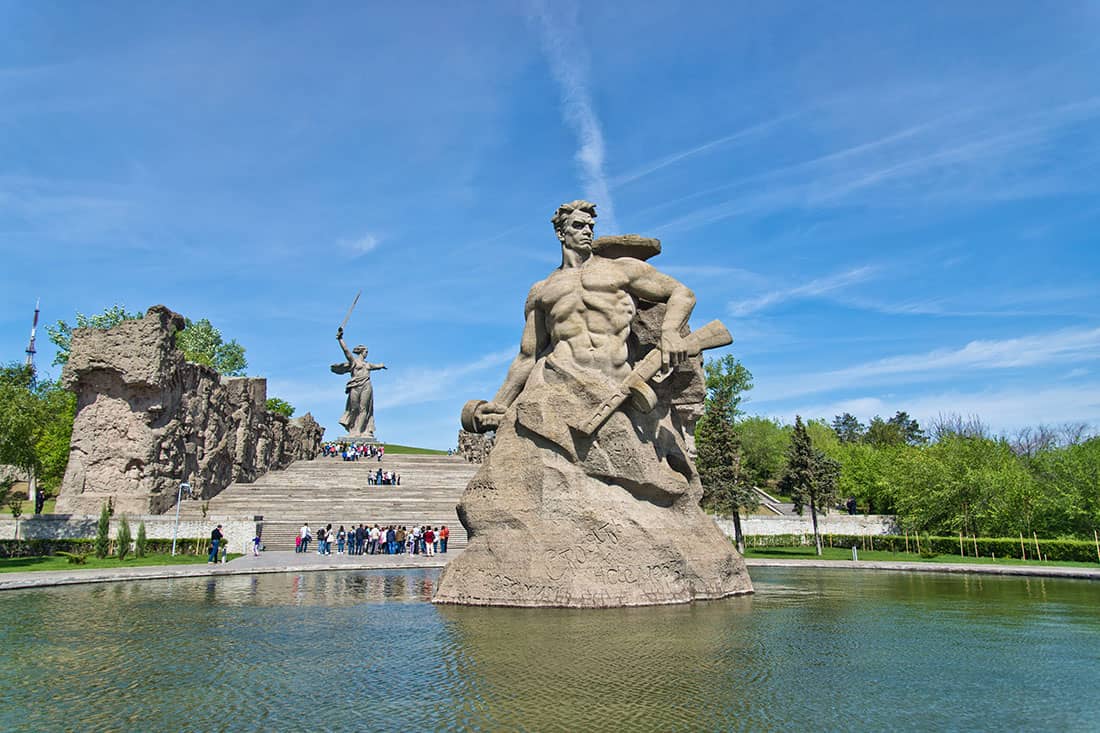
141 543
102 533
123 538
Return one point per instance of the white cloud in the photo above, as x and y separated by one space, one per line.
418 385
814 288
360 245
1057 347
569 66
1003 410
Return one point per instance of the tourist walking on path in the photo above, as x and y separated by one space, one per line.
215 540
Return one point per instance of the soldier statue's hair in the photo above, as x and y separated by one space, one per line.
565 210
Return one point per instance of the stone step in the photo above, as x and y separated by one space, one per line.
330 490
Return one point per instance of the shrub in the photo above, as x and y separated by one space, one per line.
74 558
141 543
1061 550
102 533
123 539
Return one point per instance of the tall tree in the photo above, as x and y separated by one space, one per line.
764 444
848 428
908 428
718 450
202 343
280 406
61 333
810 478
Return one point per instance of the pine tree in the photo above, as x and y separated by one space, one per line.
141 543
102 533
810 478
718 449
123 538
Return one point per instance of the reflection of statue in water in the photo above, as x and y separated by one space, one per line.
358 418
589 497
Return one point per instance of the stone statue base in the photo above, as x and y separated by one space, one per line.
545 531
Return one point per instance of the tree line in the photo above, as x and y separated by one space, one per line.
953 476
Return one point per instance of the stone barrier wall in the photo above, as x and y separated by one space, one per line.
857 524
147 420
238 531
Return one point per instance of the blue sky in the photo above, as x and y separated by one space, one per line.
892 207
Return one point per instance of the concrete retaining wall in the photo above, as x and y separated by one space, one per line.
239 532
858 524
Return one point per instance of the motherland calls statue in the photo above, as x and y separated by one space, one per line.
589 497
358 417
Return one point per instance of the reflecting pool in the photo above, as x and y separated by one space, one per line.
365 651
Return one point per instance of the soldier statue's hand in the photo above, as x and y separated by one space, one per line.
340 333
489 415
673 350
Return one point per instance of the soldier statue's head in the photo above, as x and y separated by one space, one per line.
574 223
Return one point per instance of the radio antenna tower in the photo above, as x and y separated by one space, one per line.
30 346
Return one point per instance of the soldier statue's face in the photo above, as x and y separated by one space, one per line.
576 234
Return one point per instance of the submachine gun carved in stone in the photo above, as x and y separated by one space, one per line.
636 388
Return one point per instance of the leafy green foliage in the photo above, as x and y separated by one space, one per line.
764 445
123 538
61 333
280 406
202 343
848 428
102 536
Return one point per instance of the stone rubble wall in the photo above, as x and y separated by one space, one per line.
147 420
474 447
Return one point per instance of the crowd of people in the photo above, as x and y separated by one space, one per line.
376 540
353 451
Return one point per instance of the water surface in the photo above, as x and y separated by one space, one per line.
365 651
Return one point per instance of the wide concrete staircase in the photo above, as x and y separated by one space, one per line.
333 491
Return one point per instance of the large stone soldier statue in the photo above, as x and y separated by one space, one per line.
589 496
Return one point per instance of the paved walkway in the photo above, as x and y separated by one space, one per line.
291 562
267 562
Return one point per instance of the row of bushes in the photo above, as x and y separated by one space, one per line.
44 547
1026 549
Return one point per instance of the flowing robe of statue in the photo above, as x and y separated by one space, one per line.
570 510
358 417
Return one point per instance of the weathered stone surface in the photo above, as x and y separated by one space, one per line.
474 447
589 497
147 420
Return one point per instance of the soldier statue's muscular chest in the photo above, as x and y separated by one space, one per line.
595 290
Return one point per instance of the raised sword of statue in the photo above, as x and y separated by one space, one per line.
348 316
342 367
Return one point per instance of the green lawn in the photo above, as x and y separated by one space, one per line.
841 554
24 564
410 450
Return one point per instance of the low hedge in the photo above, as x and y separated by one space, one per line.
1064 550
43 548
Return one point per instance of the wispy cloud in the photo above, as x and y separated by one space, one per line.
1004 409
673 158
812 289
1068 346
359 245
569 65
416 386
980 152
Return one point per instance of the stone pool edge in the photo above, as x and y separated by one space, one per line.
268 563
